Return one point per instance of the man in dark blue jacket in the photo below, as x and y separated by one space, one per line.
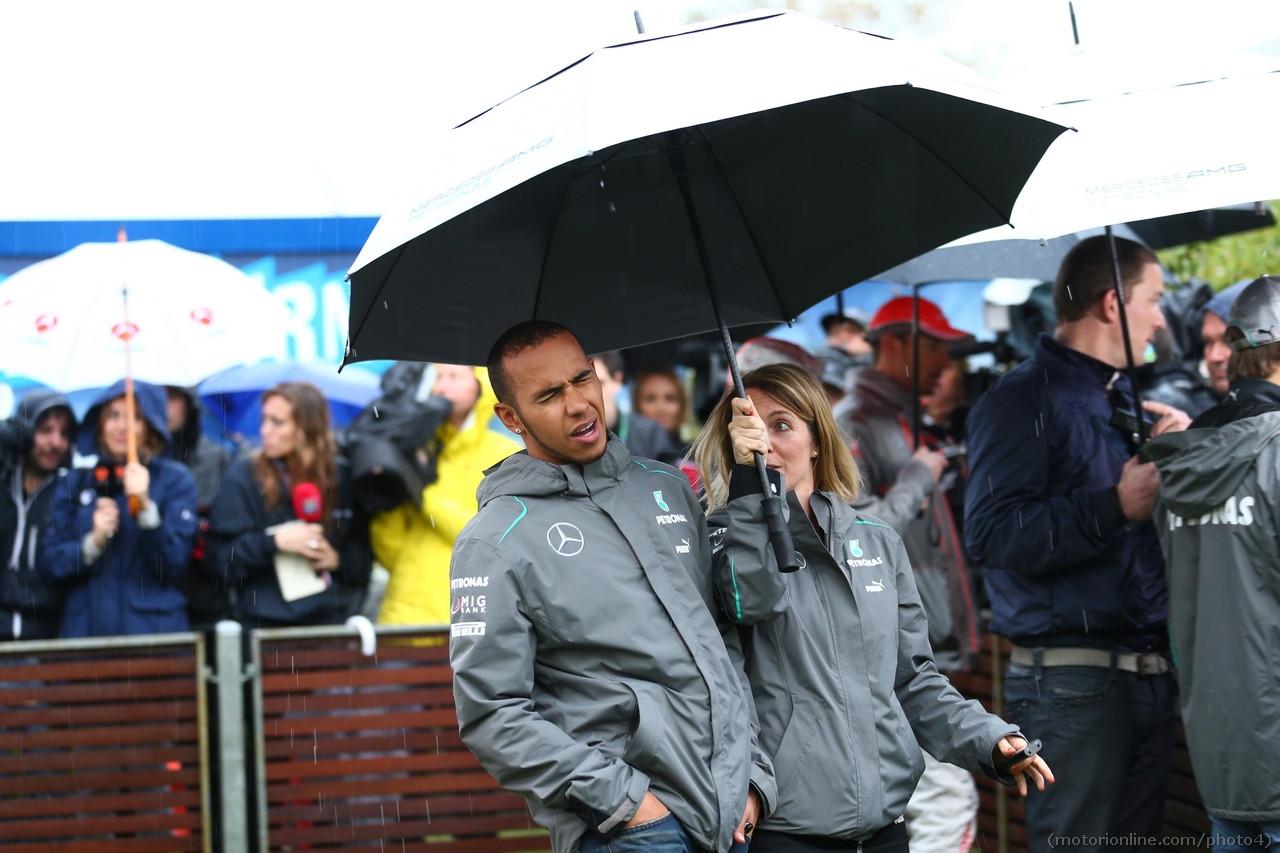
1058 511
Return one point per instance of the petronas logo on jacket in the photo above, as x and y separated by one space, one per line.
857 551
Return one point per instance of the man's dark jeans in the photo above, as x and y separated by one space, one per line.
664 835
1108 737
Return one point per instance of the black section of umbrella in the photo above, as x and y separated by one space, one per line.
744 220
795 202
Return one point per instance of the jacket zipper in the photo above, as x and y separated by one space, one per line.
844 695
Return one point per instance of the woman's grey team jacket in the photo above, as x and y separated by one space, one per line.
588 664
839 660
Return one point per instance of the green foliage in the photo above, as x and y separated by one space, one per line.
1225 261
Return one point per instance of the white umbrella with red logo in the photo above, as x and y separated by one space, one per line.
190 315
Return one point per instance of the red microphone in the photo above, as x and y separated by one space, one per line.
306 503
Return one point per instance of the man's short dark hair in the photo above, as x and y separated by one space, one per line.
1087 274
830 321
514 341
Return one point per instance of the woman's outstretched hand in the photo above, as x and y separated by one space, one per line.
747 432
1033 768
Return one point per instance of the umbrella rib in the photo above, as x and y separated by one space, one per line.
1003 217
755 243
527 88
618 149
542 270
351 335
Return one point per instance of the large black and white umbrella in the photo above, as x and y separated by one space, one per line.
733 173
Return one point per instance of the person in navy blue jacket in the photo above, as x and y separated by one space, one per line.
119 569
1058 510
250 521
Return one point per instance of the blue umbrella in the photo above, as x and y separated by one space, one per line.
234 396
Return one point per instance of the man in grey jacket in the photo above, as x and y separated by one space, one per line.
590 674
1218 517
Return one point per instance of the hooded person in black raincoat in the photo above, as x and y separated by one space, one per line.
34 444
120 570
207 599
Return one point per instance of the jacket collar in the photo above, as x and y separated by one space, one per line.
601 474
522 475
1060 357
872 384
1249 390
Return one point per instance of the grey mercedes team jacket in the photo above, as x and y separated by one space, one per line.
840 665
1218 518
588 664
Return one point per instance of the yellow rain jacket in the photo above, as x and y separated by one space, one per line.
415 546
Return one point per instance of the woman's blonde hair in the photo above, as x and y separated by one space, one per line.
795 388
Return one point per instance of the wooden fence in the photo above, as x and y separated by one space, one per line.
363 753
103 746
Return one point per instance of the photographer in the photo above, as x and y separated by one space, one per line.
415 543
34 444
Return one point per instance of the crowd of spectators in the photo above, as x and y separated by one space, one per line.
107 531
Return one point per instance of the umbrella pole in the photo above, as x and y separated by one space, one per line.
915 367
779 536
131 438
1124 330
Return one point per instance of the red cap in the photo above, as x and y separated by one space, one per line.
897 312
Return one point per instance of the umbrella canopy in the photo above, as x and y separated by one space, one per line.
780 155
234 396
1039 260
190 315
1158 135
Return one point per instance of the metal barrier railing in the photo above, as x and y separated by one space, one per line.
356 752
103 745
104 748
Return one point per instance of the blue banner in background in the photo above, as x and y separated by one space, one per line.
318 299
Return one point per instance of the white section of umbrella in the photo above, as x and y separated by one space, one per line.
613 96
1158 134
192 315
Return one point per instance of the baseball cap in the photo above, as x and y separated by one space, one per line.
1222 301
1257 313
897 312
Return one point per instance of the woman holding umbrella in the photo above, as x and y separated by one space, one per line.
284 533
839 658
120 534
